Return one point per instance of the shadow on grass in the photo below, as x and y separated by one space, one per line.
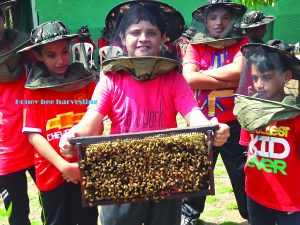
202 222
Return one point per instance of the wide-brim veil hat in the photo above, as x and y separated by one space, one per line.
255 19
238 9
12 41
48 32
146 67
267 91
275 46
173 18
231 34
38 75
18 39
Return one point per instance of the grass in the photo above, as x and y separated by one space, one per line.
220 209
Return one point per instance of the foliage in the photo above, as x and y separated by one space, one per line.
254 4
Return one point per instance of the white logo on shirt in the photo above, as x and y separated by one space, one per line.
267 144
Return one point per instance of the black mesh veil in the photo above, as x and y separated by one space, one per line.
230 14
167 19
269 85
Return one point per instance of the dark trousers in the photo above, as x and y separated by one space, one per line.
62 206
234 158
14 193
261 215
166 212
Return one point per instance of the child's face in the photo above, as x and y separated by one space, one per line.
142 39
217 22
257 33
269 85
56 57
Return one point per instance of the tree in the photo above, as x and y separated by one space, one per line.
256 3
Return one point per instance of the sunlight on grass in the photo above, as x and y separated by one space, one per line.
35 202
220 172
231 206
35 223
212 199
219 162
3 217
229 223
224 190
215 212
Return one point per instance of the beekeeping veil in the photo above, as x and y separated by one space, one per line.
228 35
170 24
258 26
11 41
261 99
76 76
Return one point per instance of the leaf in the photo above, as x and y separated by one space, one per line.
256 3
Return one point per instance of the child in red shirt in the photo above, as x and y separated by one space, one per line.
57 96
16 153
272 137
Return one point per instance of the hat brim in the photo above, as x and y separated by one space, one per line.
50 40
22 40
174 20
141 68
238 9
216 43
247 50
66 87
266 20
8 4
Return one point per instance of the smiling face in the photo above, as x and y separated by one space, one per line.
142 39
218 22
56 57
270 84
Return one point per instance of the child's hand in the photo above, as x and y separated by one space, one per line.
221 135
66 149
71 173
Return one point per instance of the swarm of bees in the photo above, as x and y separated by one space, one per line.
150 168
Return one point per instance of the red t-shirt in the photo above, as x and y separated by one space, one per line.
273 165
52 113
214 103
102 43
16 153
88 40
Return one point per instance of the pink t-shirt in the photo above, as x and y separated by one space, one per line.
16 153
214 103
135 106
273 165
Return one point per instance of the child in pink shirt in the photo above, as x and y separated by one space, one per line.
134 106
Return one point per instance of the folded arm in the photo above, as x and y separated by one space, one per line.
223 77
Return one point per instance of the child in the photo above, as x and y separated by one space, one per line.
84 36
258 26
212 67
16 153
273 138
56 100
128 102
